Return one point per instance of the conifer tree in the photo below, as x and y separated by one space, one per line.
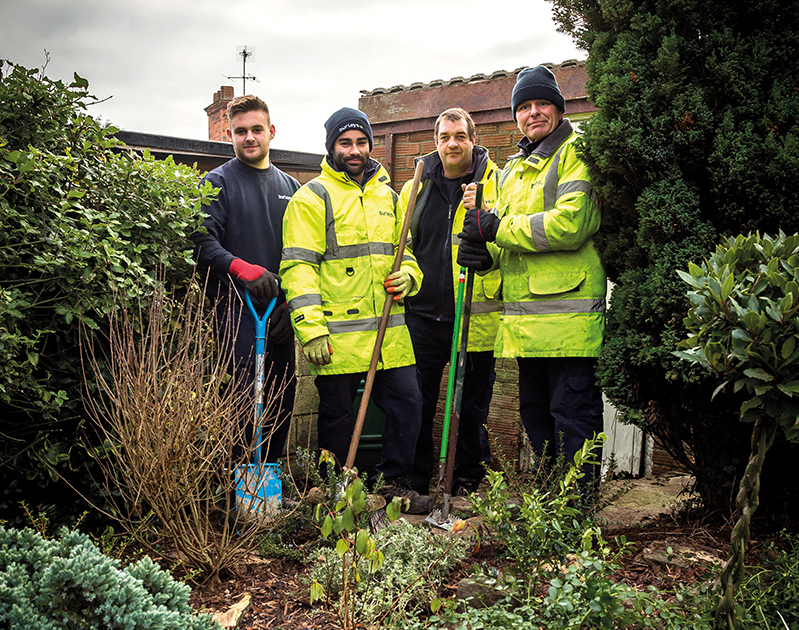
696 138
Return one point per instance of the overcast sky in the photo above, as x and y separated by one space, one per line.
161 61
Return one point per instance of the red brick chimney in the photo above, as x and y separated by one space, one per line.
217 114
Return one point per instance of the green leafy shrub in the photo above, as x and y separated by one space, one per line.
68 583
743 325
83 222
560 569
345 515
696 137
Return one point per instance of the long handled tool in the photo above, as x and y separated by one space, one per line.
255 483
381 329
451 377
456 415
449 432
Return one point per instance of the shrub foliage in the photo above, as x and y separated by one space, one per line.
697 136
68 583
83 222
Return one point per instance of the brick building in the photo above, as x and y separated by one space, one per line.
402 117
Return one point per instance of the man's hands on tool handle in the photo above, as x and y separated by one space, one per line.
399 283
479 226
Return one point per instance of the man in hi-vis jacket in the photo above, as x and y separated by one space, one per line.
436 222
553 283
340 235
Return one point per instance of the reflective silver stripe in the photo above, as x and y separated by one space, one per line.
309 299
331 243
407 258
363 325
359 250
489 306
578 185
332 249
553 307
539 234
551 182
301 254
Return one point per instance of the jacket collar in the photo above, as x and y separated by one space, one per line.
547 147
434 170
374 171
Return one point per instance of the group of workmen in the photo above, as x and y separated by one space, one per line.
326 249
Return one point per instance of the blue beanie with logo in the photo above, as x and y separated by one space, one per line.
346 119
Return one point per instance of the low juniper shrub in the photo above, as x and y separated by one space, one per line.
67 583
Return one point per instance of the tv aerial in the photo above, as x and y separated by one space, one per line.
246 54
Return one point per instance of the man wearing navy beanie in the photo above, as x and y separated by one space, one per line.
340 234
347 119
553 283
537 83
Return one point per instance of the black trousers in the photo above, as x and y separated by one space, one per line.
395 392
280 382
432 346
560 405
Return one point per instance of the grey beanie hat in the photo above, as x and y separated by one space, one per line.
343 120
538 82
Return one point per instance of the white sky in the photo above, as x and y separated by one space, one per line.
161 61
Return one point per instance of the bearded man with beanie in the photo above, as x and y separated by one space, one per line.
240 249
341 231
540 235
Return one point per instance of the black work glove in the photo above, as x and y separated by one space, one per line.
474 255
261 284
264 287
280 325
480 226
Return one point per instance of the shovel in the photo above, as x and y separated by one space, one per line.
449 433
258 490
381 329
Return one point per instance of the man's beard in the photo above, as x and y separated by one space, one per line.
340 164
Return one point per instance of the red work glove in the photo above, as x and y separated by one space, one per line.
261 283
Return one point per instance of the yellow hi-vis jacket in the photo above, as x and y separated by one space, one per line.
339 244
553 283
484 318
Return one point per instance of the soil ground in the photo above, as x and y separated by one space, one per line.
651 513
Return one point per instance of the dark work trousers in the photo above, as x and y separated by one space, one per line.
432 346
279 380
560 405
395 392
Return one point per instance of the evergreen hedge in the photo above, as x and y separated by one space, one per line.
696 138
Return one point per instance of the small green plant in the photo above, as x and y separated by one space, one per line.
416 560
771 591
51 584
544 526
354 544
560 572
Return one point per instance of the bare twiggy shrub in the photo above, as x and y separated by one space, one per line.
168 419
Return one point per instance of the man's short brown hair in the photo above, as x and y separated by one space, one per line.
453 114
244 104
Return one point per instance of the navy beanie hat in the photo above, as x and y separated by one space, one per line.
538 82
343 120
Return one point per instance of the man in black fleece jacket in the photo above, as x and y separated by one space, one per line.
430 314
